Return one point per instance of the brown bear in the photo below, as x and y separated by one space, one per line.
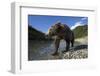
61 31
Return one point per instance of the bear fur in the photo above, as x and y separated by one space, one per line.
61 31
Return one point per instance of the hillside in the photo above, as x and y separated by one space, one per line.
81 31
34 34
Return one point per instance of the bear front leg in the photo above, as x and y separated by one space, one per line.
56 43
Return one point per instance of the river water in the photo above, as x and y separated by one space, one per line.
43 50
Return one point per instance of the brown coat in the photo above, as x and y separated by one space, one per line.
61 31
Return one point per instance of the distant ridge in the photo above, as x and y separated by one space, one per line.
80 31
34 34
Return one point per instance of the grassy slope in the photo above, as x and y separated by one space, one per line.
80 31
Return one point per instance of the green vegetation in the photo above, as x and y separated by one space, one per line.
81 31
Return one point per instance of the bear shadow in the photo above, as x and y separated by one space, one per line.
79 47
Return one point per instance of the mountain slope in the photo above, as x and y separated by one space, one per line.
81 31
34 34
